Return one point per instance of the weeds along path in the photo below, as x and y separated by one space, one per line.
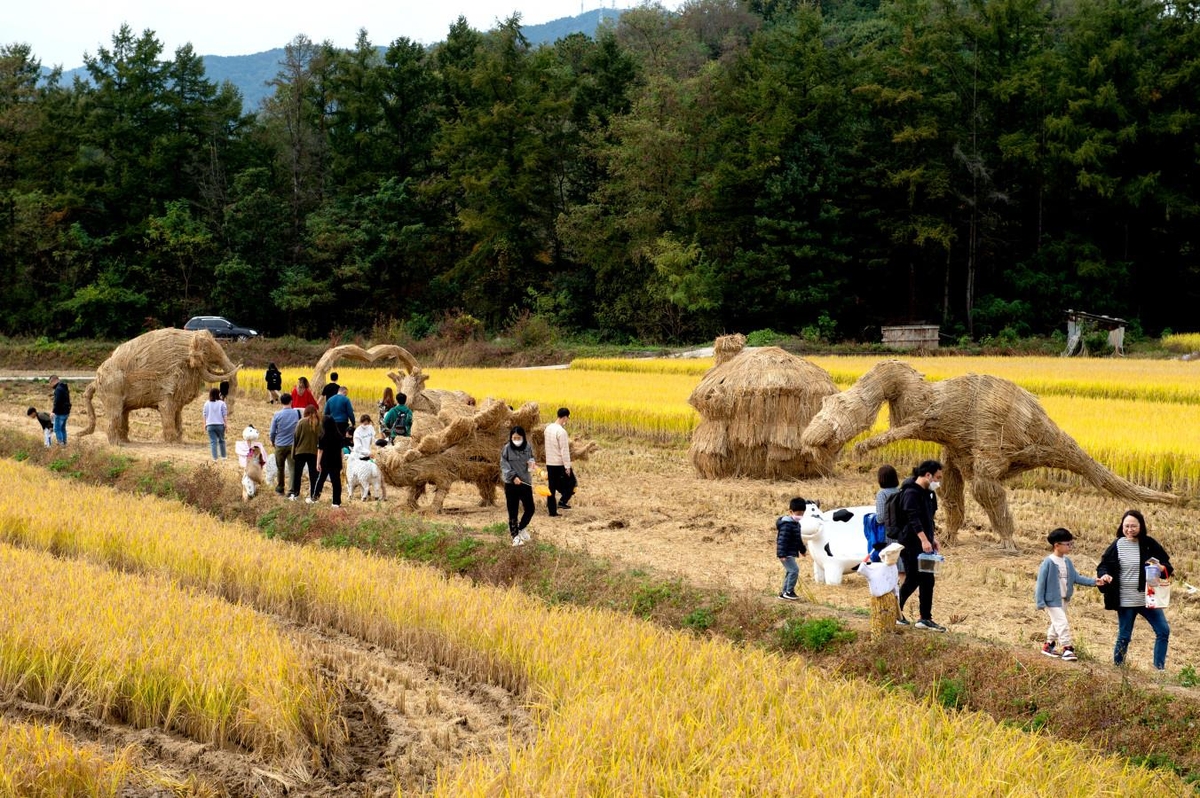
404 720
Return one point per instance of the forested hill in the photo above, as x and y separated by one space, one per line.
815 168
252 74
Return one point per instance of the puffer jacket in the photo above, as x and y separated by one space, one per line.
788 541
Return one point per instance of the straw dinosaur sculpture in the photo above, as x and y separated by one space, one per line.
465 449
753 406
990 428
165 369
453 440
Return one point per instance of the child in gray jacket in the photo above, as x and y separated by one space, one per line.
1056 582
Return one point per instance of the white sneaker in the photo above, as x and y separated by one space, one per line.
309 500
517 541
524 535
291 498
335 506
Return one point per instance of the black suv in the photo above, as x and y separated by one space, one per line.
220 327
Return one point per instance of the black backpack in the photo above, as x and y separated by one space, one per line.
894 517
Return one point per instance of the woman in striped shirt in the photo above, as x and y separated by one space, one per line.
1125 561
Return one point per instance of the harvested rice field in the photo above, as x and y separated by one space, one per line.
402 680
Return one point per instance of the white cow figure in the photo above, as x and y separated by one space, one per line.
836 547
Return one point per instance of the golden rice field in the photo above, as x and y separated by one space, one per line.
145 652
38 760
1140 418
620 706
1182 342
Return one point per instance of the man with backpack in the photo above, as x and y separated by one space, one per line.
917 506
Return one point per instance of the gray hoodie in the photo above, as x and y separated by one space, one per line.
515 462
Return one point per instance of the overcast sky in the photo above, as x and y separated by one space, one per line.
61 32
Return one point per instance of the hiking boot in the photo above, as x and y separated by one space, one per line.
789 596
1048 650
1068 654
929 625
902 621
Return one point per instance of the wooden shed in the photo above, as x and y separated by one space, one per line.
911 336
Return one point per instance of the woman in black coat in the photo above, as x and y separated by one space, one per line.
329 460
1125 561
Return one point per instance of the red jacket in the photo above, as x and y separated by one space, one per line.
300 402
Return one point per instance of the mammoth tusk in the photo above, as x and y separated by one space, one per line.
209 376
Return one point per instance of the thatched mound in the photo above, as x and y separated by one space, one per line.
754 406
165 369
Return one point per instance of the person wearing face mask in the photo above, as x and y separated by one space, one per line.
516 461
918 506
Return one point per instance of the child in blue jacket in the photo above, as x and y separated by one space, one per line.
1056 582
789 545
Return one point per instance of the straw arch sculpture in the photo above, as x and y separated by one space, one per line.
754 405
990 429
357 353
165 369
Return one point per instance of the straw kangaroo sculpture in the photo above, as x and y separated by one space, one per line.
990 428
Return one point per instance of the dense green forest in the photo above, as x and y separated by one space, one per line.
802 167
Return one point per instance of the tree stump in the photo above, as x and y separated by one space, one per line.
885 611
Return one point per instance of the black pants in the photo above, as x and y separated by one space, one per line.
301 462
914 581
518 496
331 472
559 482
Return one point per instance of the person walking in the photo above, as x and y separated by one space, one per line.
215 415
516 461
789 544
386 403
331 388
329 460
918 506
397 422
274 380
339 408
60 408
1056 582
560 476
282 435
302 396
304 452
1128 560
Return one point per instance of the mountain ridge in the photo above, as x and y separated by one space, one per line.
252 72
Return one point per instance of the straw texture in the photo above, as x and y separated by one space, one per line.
164 369
990 428
754 406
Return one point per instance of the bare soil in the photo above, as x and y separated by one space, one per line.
641 505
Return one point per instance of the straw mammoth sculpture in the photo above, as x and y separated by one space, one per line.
990 428
753 407
164 369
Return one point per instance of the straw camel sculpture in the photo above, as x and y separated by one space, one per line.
753 407
165 369
990 428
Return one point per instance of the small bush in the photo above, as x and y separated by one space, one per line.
767 337
950 692
1188 677
699 620
532 330
814 635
